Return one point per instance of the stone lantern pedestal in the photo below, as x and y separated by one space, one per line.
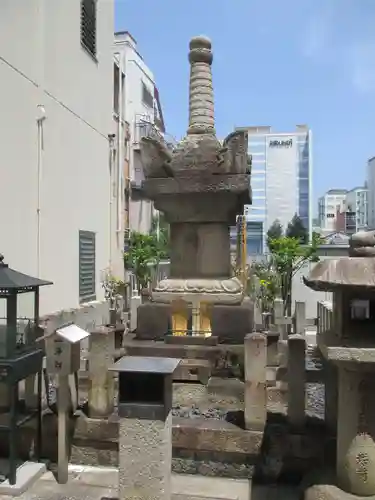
350 346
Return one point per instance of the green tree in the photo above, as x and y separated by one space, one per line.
274 232
266 285
143 250
296 229
161 231
288 255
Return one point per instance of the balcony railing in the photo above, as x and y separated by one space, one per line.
148 129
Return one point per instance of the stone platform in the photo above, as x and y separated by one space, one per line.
230 323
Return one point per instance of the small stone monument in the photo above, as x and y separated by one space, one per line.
350 345
201 186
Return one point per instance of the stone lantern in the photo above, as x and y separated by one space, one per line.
21 356
350 346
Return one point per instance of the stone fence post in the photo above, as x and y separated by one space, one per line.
101 381
255 381
299 317
296 380
325 323
135 302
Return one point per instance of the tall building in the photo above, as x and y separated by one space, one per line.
56 73
328 206
371 192
140 109
356 202
281 181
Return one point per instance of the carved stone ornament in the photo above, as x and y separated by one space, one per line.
200 150
225 291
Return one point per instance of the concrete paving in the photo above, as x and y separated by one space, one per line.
94 483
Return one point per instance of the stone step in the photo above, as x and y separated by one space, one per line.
152 348
191 340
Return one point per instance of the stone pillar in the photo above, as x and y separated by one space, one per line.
145 459
101 357
135 302
273 347
330 395
145 429
255 381
299 317
356 432
296 380
31 389
280 320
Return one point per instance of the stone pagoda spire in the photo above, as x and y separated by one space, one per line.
201 96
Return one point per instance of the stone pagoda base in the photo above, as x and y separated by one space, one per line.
230 323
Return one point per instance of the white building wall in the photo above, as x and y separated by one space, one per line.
356 201
281 179
43 63
371 192
135 110
328 205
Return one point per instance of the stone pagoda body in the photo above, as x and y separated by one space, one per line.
350 347
200 187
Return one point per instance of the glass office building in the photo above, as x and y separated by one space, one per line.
281 181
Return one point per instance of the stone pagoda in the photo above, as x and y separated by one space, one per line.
201 186
350 347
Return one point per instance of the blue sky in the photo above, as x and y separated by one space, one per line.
275 63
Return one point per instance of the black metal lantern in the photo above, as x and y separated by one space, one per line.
21 356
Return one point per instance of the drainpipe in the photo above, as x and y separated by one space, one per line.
40 120
111 140
120 149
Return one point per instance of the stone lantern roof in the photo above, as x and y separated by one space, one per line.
14 281
355 271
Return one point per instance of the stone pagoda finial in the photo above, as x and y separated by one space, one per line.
201 98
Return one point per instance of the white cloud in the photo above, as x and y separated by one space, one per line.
316 37
362 66
336 35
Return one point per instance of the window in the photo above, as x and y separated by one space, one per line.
147 97
88 26
87 266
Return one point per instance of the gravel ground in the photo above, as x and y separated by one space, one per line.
210 468
314 392
314 399
195 412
